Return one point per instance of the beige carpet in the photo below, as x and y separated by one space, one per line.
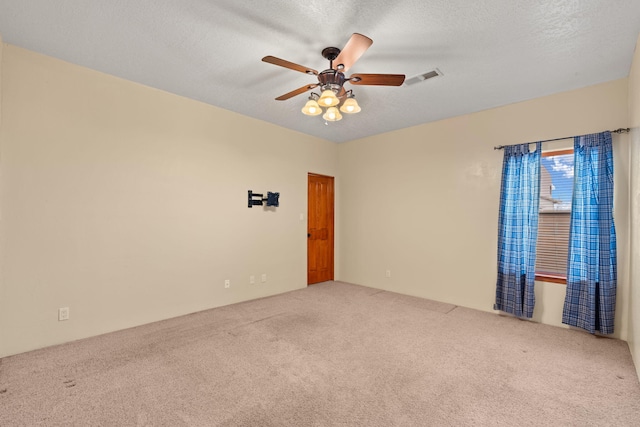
332 354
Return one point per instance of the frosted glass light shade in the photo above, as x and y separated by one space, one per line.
311 108
350 106
328 99
332 115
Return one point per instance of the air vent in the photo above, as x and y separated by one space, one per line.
422 77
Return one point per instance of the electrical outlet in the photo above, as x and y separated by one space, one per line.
252 280
388 273
63 313
264 277
227 284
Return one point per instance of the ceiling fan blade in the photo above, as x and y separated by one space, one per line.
298 91
377 79
353 50
290 65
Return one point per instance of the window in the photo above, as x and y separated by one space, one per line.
556 192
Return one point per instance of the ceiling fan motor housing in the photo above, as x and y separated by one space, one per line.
331 79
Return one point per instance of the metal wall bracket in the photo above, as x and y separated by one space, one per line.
272 199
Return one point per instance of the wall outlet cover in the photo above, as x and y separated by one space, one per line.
63 313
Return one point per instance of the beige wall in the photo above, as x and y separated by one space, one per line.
423 201
634 143
128 205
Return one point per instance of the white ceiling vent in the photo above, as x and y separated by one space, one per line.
422 77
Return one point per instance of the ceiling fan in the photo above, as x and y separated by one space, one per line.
331 81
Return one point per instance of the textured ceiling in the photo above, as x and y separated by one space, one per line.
491 52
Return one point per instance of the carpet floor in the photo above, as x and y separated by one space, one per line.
332 354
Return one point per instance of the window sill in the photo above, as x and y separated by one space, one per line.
553 278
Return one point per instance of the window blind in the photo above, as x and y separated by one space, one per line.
553 243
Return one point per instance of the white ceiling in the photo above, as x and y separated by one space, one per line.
491 52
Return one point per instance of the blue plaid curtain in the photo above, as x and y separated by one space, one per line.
591 281
518 230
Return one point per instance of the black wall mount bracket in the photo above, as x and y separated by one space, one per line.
258 199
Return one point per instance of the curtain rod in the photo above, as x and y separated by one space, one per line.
619 130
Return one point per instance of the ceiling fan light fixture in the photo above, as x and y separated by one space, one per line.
332 115
328 99
350 106
311 108
334 97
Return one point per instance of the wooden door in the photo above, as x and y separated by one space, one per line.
320 229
